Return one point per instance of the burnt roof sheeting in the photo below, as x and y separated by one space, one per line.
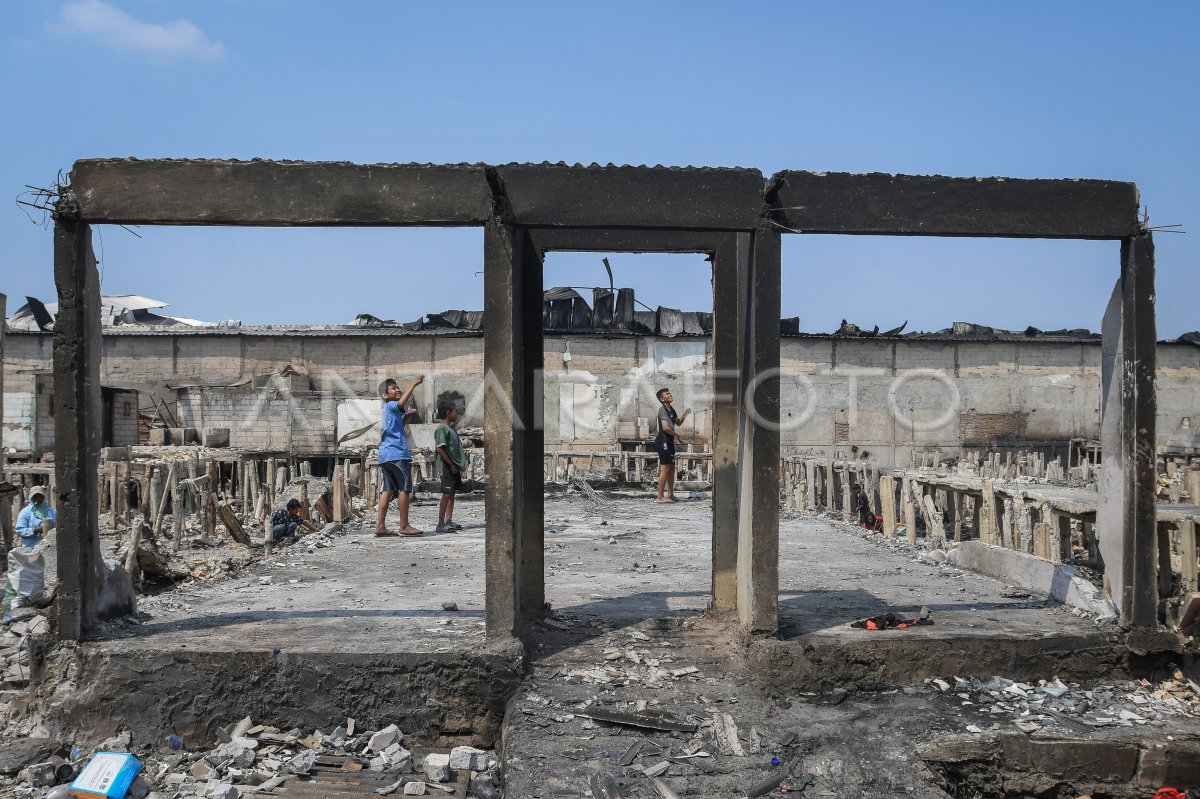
670 322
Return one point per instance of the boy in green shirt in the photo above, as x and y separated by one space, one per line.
452 462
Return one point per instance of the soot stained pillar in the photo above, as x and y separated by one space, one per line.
77 410
512 428
1127 515
758 462
726 402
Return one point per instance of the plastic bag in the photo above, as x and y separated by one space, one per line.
26 575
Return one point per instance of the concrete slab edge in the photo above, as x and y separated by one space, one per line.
1057 581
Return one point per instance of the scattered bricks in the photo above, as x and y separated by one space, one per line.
385 738
396 758
203 771
303 762
216 437
40 775
483 787
437 767
415 788
236 754
468 758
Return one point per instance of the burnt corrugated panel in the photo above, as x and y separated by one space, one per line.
789 326
645 322
603 301
560 314
581 315
670 321
691 324
624 314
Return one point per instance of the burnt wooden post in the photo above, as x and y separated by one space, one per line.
1127 514
758 463
512 428
77 411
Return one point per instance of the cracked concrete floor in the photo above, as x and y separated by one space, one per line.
622 560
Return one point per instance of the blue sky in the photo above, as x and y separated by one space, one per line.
1069 89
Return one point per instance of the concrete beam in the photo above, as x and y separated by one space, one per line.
1126 516
691 198
289 193
758 461
512 429
923 205
77 411
623 240
725 413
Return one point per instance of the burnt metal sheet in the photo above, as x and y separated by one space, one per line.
670 321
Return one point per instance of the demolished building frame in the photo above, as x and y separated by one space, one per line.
733 215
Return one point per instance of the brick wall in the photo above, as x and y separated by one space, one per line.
832 390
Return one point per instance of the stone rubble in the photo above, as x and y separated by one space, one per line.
255 760
1075 707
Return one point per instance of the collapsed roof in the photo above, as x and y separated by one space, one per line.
115 310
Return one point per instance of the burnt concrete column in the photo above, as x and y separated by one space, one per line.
1126 518
726 400
77 412
512 428
758 462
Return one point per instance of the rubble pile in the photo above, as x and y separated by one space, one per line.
24 624
1070 706
257 759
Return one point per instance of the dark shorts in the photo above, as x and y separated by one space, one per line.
397 476
666 451
451 482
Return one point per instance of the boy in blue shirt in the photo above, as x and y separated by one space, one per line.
395 462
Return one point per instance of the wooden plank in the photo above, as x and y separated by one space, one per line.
887 502
1188 555
217 192
230 520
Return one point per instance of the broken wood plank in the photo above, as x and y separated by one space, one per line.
646 719
230 520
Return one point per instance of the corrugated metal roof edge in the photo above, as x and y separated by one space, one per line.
317 331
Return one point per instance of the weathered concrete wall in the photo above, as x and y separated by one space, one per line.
834 391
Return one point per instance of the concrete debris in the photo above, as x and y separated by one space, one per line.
437 767
1076 707
257 762
385 738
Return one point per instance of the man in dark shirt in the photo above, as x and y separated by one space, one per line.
664 444
285 522
859 507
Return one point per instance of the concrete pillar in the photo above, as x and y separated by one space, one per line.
77 411
512 428
1126 522
726 401
758 462
6 520
955 500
